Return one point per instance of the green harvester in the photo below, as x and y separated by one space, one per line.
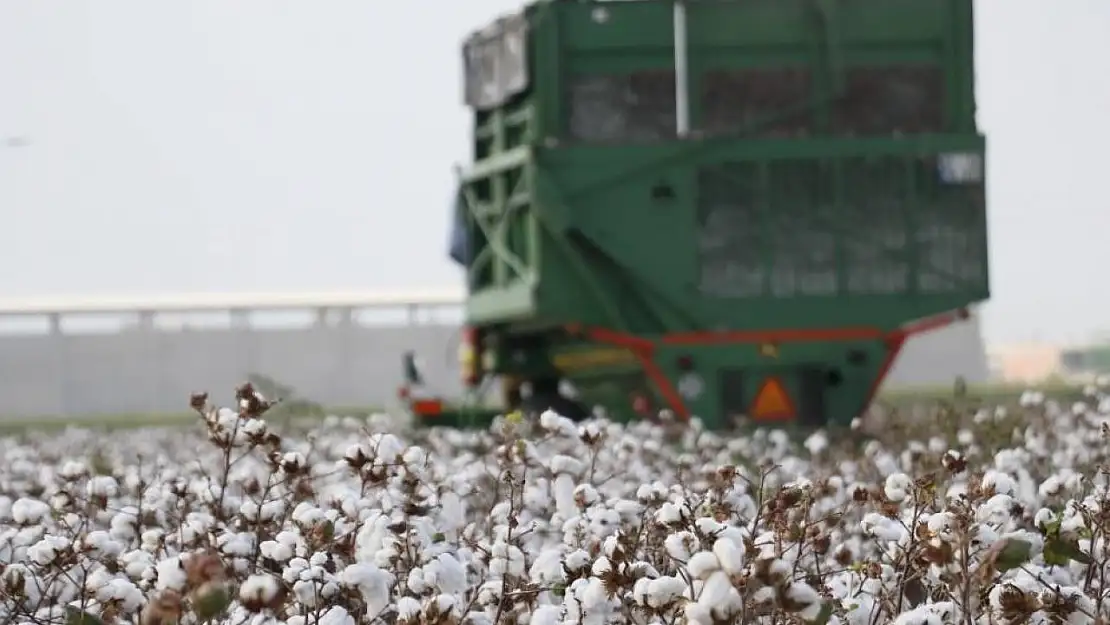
724 209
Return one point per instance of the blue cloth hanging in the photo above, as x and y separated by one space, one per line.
459 249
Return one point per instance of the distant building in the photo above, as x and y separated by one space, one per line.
1025 362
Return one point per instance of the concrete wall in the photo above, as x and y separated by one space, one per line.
155 371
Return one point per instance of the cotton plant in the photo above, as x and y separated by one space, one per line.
968 515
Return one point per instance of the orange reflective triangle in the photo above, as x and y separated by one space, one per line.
772 402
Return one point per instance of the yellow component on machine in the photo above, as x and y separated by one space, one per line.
585 359
469 363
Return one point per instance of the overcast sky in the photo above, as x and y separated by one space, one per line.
220 145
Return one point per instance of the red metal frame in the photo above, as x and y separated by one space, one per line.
644 348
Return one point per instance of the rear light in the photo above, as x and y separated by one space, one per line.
685 363
427 407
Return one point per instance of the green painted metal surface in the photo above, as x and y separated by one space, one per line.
832 176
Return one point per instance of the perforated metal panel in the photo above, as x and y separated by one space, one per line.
757 102
890 99
852 226
623 107
730 240
801 228
874 212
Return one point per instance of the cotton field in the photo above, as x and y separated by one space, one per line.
959 515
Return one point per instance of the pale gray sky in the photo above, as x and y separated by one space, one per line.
307 144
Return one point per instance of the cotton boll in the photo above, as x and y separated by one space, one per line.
730 555
702 564
897 487
682 545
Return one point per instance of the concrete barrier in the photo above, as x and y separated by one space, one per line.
147 368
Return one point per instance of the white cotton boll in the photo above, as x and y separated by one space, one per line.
730 555
702 564
640 591
1052 486
817 442
372 583
253 427
601 566
260 588
48 549
415 458
668 514
1075 482
387 447
594 596
1031 399
664 591
547 568
567 464
811 611
249 510
293 570
546 615
1043 517
102 544
240 544
577 560
72 469
97 579
628 510
698 614
127 594
1002 483
556 423
29 511
444 604
942 524
802 593
708 526
965 436
452 512
417 582
897 487
305 592
139 565
336 616
308 514
450 574
717 593
780 569
1072 521
921 615
586 494
276 551
996 510
171 574
102 486
681 545
563 493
